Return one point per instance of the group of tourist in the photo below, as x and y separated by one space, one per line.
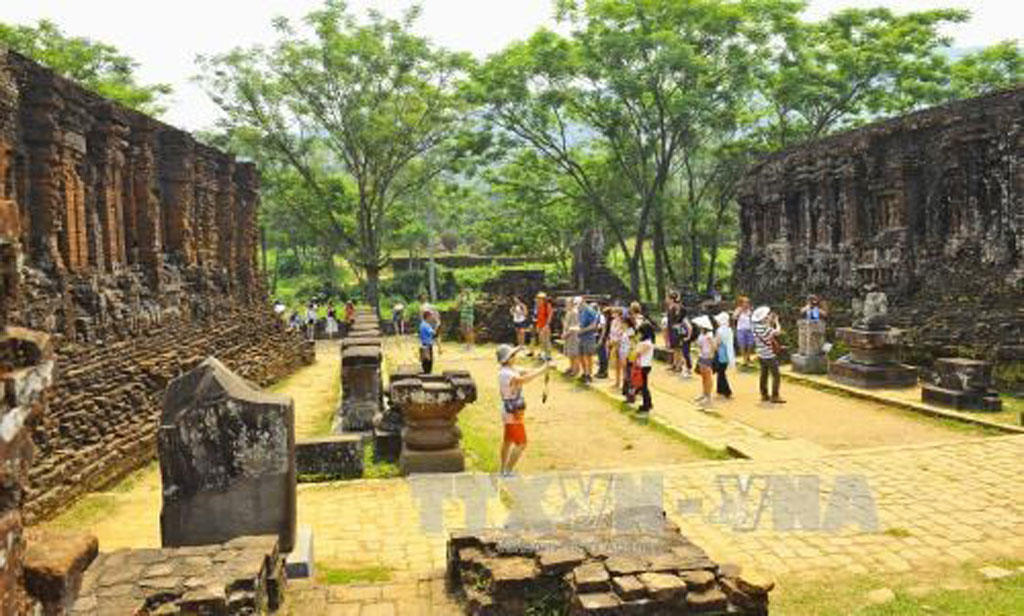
306 319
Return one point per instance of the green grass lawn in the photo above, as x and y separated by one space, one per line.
957 591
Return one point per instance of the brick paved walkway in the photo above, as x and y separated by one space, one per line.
934 505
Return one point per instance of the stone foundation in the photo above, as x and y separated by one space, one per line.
243 576
872 360
597 571
330 458
430 404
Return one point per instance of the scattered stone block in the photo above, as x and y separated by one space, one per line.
590 577
663 587
708 600
755 582
698 580
598 603
628 587
625 564
54 565
329 458
227 460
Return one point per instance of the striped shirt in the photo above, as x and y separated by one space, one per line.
763 333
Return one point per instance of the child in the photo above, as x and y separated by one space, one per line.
706 356
645 358
513 406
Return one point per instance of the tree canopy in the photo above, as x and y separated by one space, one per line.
98 66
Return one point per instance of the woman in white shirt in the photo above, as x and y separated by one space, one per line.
706 348
519 321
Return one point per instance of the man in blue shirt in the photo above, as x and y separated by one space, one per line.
428 338
589 324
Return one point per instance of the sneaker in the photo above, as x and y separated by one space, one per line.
644 410
777 400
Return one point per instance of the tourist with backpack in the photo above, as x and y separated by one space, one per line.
725 355
513 405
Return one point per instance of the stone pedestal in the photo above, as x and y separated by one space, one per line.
872 361
810 359
227 460
361 384
430 405
962 384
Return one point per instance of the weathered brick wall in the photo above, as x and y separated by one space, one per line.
926 207
139 260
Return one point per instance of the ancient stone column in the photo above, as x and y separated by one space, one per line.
108 147
177 177
226 218
810 359
361 383
227 460
962 384
246 239
144 236
430 405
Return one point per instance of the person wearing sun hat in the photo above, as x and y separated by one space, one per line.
766 332
725 356
513 405
706 349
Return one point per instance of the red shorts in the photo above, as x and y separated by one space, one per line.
515 433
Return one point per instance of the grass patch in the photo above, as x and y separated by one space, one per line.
338 576
133 479
480 445
378 469
89 509
699 448
959 591
899 533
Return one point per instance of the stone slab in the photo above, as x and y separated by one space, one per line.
331 457
809 364
227 460
300 562
960 400
860 375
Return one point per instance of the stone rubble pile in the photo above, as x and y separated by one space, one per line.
243 576
598 570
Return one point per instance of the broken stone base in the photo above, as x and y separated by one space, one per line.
54 566
871 376
387 446
960 400
330 458
242 576
598 571
809 364
451 460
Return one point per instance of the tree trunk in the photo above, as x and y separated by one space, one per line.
373 286
658 243
643 268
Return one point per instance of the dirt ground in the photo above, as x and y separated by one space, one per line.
830 420
315 390
575 429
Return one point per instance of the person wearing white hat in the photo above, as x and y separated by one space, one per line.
706 349
766 332
725 356
513 405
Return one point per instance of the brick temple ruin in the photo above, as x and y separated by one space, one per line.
138 258
925 207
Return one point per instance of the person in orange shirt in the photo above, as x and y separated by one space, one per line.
544 314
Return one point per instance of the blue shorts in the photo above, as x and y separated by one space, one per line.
745 338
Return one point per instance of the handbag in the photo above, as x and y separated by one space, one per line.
636 376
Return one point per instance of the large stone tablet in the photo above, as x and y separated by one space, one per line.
227 460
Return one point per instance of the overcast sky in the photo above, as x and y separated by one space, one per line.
165 36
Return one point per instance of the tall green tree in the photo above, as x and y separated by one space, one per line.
634 80
98 66
369 99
